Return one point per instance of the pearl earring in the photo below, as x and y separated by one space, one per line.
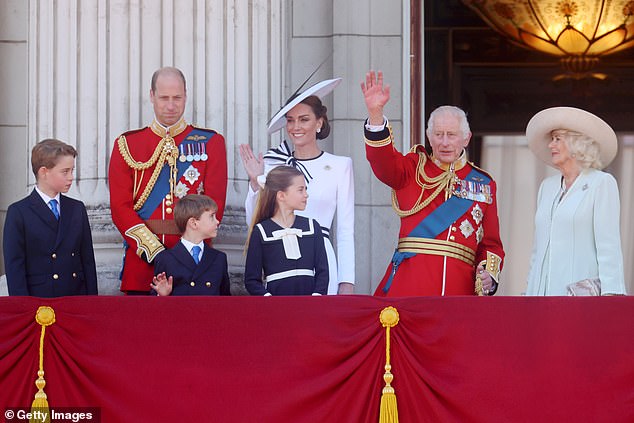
318 130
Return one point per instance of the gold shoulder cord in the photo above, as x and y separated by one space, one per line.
165 151
444 181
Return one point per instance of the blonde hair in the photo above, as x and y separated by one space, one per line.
584 149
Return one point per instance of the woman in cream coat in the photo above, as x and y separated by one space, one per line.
577 230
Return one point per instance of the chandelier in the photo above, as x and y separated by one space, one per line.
577 31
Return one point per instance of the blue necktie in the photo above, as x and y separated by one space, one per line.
53 206
196 253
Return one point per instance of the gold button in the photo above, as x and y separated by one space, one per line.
55 276
74 275
54 256
451 238
453 229
168 203
168 210
168 197
208 284
192 283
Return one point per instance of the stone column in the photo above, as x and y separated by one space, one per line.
89 71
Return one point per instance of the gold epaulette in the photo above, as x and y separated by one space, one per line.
147 242
381 143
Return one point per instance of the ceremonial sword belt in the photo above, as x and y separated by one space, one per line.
436 247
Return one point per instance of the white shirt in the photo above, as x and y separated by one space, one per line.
46 199
189 245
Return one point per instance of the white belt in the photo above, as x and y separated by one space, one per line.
289 273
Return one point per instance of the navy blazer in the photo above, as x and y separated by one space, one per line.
209 277
45 257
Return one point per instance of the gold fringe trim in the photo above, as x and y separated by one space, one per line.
440 183
166 151
389 411
45 316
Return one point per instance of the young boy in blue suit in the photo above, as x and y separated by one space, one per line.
192 267
47 242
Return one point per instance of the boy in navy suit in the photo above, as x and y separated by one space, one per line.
192 267
47 242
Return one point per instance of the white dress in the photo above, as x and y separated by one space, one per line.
330 188
577 237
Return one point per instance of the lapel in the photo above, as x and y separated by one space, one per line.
182 255
66 218
41 210
578 191
209 256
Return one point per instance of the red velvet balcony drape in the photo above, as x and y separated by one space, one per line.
317 359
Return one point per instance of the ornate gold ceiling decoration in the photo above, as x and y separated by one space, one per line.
579 32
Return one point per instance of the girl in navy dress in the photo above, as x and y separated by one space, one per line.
285 252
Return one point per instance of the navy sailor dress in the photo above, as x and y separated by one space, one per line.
286 261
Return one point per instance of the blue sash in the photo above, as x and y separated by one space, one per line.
162 185
437 221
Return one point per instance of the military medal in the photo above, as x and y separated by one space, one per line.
191 175
203 156
181 149
190 157
197 151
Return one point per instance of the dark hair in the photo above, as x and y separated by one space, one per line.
192 205
278 179
168 70
320 111
47 152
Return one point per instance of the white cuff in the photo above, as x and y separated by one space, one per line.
376 128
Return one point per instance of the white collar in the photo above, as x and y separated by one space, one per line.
189 245
45 197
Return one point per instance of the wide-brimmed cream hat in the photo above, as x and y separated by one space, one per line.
543 123
320 89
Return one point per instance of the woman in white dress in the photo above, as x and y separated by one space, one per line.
577 244
329 177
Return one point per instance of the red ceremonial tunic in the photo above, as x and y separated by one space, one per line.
127 185
477 229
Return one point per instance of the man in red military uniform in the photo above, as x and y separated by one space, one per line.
152 168
449 240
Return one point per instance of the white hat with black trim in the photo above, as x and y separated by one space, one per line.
320 89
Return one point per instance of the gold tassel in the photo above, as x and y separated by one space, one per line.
479 289
45 316
389 411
